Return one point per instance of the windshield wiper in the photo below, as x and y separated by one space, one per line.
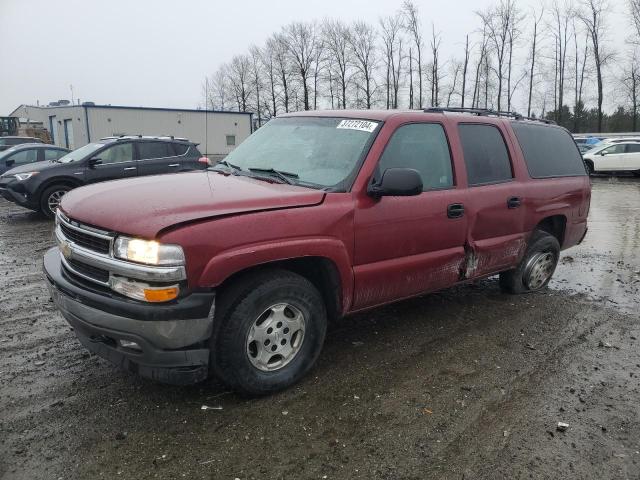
227 164
284 176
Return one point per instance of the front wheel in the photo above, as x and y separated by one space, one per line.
270 327
536 267
50 199
590 168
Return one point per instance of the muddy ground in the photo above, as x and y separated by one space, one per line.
467 383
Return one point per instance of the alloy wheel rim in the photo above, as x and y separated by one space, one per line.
539 270
54 199
275 337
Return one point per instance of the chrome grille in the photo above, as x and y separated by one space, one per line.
86 240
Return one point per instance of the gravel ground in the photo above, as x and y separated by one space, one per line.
466 383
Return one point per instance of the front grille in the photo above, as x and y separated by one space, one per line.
89 271
86 240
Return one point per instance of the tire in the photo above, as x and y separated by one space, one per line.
590 169
49 197
251 331
536 268
636 173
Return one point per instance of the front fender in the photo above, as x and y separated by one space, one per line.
235 260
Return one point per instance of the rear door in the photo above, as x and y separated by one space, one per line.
632 157
156 157
114 162
494 205
408 245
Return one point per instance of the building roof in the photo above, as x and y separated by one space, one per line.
84 105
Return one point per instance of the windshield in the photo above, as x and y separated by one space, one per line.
320 152
81 153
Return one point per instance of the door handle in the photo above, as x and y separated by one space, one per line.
455 210
514 202
130 168
174 165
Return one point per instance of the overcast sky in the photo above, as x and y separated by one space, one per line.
157 52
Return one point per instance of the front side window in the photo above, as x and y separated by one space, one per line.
22 157
154 150
614 149
485 154
321 152
423 147
121 152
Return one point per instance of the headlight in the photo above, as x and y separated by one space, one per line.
25 176
148 251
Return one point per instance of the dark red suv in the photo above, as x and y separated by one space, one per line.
236 270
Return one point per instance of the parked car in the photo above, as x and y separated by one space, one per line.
40 186
27 153
621 156
236 270
8 142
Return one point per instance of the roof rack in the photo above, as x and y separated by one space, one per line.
485 112
145 137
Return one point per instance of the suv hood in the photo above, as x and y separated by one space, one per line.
145 206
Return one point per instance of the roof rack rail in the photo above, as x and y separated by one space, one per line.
487 112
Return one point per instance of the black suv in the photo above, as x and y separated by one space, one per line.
40 186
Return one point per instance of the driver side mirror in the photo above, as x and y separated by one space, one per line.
397 182
10 163
93 162
603 153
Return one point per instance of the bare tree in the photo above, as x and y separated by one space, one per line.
336 39
278 45
475 103
362 41
634 9
593 18
435 66
392 39
412 25
300 39
456 68
268 59
536 23
561 16
499 21
239 76
465 67
579 73
256 74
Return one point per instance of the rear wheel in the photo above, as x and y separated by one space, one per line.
536 267
50 199
590 169
270 327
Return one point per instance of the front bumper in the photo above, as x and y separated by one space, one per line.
16 197
173 339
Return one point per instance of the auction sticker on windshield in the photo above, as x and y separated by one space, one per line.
362 125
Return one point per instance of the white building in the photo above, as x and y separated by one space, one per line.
73 126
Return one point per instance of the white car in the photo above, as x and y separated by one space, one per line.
614 157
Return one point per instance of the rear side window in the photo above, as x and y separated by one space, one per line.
633 147
180 148
423 147
154 150
485 154
548 151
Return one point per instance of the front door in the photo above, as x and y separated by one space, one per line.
115 161
495 205
408 245
611 158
